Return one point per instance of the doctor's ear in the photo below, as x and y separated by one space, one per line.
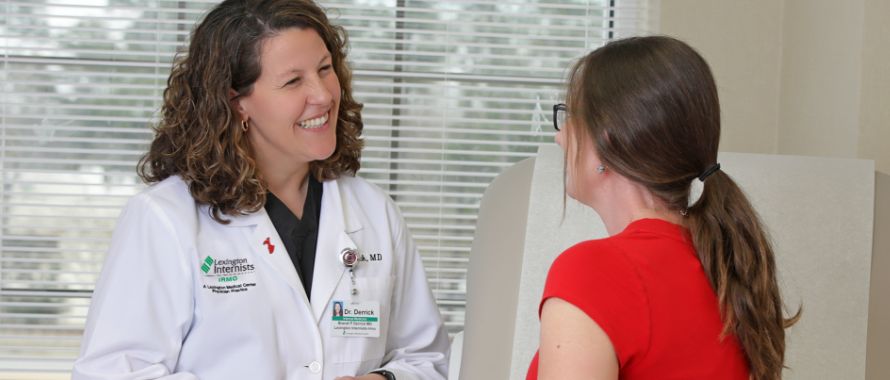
235 100
233 95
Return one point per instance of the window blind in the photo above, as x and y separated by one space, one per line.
454 92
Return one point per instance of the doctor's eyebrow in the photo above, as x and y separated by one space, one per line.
293 71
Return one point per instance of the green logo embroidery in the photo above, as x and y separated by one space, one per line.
208 261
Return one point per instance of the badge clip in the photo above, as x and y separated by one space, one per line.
349 258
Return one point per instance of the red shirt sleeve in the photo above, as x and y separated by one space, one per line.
596 277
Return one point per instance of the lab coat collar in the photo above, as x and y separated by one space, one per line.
346 218
244 220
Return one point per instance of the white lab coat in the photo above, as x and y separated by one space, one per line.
155 314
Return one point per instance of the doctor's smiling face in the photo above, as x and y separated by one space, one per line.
264 87
293 106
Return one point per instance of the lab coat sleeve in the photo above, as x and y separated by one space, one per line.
143 304
417 343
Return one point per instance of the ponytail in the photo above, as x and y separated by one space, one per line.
738 260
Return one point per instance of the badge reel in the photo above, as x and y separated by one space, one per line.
349 258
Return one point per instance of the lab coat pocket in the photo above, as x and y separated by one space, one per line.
366 351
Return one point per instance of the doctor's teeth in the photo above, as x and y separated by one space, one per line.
314 123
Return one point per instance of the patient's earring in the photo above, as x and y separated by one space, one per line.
244 126
601 169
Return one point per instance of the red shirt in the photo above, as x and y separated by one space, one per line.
647 290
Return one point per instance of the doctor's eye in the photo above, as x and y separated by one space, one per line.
292 81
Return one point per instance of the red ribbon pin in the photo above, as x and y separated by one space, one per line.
269 245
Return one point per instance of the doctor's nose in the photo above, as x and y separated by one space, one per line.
318 92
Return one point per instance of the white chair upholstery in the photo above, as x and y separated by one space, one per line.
820 213
457 344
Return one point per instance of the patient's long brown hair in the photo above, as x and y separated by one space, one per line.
199 136
649 104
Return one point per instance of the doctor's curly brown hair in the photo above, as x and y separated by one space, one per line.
199 136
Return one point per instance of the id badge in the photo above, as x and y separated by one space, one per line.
355 319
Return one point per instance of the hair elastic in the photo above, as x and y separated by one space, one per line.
710 170
697 187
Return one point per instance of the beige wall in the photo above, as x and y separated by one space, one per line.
821 75
745 61
874 136
804 77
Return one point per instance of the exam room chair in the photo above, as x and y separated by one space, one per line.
829 220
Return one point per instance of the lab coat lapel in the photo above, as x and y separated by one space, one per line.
335 222
276 256
265 242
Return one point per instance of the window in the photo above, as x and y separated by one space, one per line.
454 91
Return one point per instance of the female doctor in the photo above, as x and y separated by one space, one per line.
228 265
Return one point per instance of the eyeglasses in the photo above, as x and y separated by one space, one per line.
559 116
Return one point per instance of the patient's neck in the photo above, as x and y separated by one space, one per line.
621 202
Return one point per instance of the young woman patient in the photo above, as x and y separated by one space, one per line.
685 285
